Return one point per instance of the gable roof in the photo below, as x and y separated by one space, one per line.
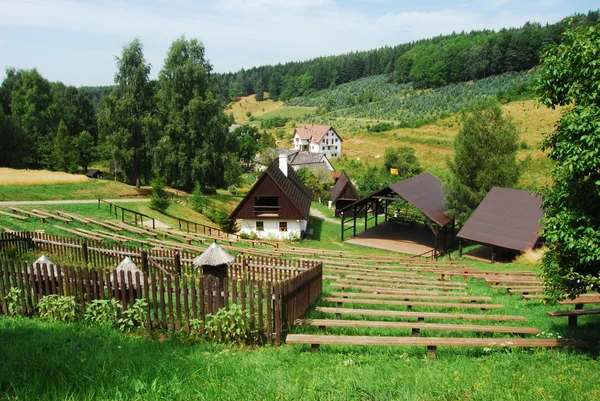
291 185
426 193
507 218
342 183
314 132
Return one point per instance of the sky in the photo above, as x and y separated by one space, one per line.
76 41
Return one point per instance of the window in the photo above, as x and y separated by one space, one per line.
260 226
283 226
266 205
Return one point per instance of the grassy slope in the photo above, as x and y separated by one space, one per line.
433 143
93 189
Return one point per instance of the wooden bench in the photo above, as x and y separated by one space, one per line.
73 217
408 297
341 283
420 316
415 327
409 280
410 304
392 290
50 216
573 314
513 280
30 214
581 300
430 342
14 216
529 289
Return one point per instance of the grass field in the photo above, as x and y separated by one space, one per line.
9 176
91 189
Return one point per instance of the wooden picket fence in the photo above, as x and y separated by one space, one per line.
175 302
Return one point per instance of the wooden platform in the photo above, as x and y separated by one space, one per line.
397 238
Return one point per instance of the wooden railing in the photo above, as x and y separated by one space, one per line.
123 210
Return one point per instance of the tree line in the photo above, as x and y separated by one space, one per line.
173 129
426 63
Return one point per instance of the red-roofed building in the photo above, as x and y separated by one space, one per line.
318 139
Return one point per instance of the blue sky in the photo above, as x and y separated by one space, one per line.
76 41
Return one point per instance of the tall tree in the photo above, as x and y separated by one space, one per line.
569 77
127 117
84 144
485 156
192 117
404 160
65 157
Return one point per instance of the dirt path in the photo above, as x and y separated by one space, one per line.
318 214
67 202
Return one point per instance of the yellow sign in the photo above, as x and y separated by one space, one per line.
394 171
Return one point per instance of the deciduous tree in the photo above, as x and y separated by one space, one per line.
570 77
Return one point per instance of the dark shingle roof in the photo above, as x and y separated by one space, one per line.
292 186
340 185
507 218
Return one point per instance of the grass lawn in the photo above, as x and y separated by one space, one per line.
91 189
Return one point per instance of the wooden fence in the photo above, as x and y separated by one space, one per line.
174 301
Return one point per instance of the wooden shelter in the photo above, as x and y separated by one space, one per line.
343 193
506 219
213 262
414 200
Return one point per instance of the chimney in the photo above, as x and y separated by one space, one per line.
283 164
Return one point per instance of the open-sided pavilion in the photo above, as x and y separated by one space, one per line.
506 219
417 200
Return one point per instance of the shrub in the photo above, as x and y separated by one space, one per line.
524 145
233 323
14 301
274 122
159 200
380 127
198 200
103 311
133 317
58 307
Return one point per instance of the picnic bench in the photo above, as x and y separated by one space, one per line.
430 342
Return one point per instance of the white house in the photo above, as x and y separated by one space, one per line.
318 139
277 206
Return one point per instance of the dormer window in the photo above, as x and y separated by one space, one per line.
266 206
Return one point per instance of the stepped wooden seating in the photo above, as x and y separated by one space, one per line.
573 314
354 271
430 342
525 289
533 296
396 289
73 217
404 280
407 297
513 280
105 225
30 214
14 216
420 316
415 327
410 304
382 284
50 216
79 234
582 300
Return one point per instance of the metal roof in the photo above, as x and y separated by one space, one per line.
507 218
425 192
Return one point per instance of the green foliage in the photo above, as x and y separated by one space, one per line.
411 108
14 301
273 122
64 150
133 317
373 179
103 312
159 200
404 160
198 200
233 323
84 144
57 308
485 156
311 181
222 219
569 76
380 127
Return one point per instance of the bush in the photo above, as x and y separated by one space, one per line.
159 200
380 127
133 317
274 122
234 324
103 311
14 300
524 145
198 200
58 307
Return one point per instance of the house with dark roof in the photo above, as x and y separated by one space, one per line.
315 138
277 206
93 173
343 193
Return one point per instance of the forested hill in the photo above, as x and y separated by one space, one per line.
426 63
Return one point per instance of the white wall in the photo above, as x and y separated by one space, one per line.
271 229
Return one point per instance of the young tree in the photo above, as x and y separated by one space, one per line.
404 160
311 181
84 144
159 200
569 77
64 153
485 156
127 118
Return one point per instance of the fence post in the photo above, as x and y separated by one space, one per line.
145 262
84 252
177 258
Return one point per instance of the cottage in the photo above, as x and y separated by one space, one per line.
343 193
93 173
318 139
277 206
